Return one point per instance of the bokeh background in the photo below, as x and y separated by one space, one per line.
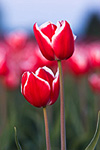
19 52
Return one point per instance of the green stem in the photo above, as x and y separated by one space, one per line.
3 109
96 136
46 129
62 109
16 140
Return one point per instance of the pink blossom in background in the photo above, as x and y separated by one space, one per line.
22 54
94 54
3 57
79 62
94 81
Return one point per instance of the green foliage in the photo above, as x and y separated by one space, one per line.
94 141
81 109
16 140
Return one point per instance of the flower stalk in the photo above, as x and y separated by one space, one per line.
62 108
3 109
46 129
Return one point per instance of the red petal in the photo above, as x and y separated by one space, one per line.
44 43
55 89
24 80
63 41
36 90
46 74
48 29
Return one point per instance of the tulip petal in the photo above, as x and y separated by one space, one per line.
44 43
63 41
25 77
48 29
35 90
55 89
46 74
46 69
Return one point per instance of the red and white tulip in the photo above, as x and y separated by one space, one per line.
40 88
56 42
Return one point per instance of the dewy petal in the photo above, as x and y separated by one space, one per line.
63 41
36 90
55 89
44 43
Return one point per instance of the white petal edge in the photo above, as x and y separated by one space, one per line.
43 35
28 74
42 80
57 73
58 30
44 25
46 69
74 37
54 81
37 78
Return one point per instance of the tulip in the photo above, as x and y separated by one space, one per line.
40 88
3 65
16 58
11 80
3 57
16 39
94 81
94 54
79 62
56 42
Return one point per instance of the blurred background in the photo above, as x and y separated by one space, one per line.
19 52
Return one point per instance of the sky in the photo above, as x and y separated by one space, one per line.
24 13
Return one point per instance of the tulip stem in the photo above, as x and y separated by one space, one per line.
46 129
62 109
3 109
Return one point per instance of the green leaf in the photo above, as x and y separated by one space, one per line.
94 141
16 140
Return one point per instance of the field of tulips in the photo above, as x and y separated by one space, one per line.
20 53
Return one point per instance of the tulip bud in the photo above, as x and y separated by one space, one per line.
40 88
56 42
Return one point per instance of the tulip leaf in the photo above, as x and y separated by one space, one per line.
16 140
94 141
